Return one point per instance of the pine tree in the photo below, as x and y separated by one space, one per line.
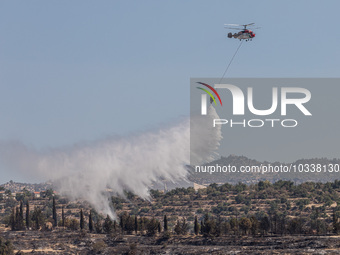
196 226
208 226
90 222
108 225
177 228
28 220
264 225
255 225
81 219
129 225
165 223
184 227
54 212
38 217
152 227
98 227
245 224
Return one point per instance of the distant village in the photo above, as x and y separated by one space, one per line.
14 189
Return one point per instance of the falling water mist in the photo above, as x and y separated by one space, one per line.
133 163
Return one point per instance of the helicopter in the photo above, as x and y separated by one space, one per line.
244 34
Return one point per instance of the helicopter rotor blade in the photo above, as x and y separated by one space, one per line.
233 28
233 25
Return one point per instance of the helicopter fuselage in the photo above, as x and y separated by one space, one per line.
242 35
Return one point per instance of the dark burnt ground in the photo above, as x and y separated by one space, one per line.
68 242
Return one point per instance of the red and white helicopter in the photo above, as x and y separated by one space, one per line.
244 34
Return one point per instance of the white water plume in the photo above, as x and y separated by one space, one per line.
132 163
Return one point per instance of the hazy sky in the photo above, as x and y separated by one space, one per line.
73 71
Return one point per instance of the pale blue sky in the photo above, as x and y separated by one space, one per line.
73 71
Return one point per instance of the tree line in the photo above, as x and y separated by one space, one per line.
274 221
208 225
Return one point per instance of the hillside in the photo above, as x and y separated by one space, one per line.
252 219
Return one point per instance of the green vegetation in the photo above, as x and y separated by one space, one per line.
264 208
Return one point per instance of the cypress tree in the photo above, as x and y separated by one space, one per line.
54 211
21 224
17 219
121 223
165 223
196 227
28 220
90 222
62 217
115 225
81 219
136 224
12 220
159 227
21 210
142 225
